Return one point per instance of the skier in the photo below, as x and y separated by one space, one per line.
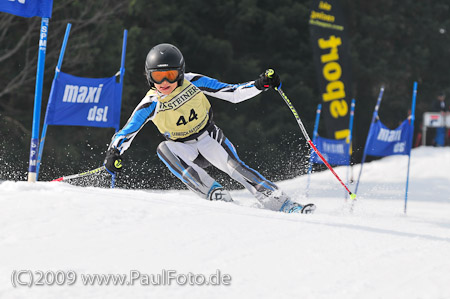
177 105
439 106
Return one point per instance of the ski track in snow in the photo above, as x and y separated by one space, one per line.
376 251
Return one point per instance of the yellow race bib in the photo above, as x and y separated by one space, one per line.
183 112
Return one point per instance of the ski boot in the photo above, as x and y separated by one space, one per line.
290 206
217 192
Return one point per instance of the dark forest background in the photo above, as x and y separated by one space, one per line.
393 43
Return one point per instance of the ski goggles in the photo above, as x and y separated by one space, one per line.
171 76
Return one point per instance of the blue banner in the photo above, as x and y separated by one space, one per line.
28 8
336 152
76 101
384 142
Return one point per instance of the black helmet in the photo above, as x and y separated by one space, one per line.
164 57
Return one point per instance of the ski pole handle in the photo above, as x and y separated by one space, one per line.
79 175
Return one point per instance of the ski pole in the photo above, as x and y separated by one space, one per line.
79 175
305 134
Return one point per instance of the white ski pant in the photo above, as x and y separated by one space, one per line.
188 159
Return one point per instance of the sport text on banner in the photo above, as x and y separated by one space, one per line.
330 44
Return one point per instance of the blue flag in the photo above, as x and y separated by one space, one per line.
336 152
76 101
28 8
384 142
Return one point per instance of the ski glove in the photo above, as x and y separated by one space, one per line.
268 79
113 160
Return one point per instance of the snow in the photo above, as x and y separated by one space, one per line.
376 251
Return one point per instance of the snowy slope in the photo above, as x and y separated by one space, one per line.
374 252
